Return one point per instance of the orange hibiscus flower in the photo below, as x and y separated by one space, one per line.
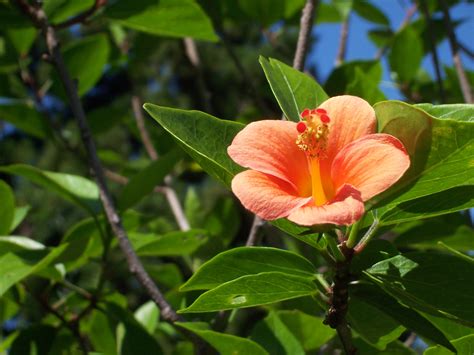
320 170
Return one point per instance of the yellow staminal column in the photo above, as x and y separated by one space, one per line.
319 196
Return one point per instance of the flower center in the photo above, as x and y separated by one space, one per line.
313 132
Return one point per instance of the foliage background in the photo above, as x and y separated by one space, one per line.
119 65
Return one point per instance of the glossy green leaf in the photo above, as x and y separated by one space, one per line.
202 136
444 202
143 183
242 261
453 230
434 283
133 338
374 326
388 306
311 332
225 344
174 18
73 188
406 54
440 152
18 217
272 334
458 112
61 10
253 290
147 315
370 12
18 265
307 235
7 208
464 345
86 59
169 244
25 118
293 89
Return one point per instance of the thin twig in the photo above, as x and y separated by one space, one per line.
192 53
409 14
341 51
169 192
82 17
253 238
463 82
306 24
434 52
39 18
466 50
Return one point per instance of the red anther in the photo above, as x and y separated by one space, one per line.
324 118
313 111
305 113
321 111
301 127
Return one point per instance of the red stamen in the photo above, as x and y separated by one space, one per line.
321 111
313 111
324 118
301 127
305 113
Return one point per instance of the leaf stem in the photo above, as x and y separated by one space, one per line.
334 248
352 240
368 235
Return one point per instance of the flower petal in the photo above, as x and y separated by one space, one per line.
270 147
265 195
345 209
351 118
371 164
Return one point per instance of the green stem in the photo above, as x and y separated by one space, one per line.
335 251
352 240
368 235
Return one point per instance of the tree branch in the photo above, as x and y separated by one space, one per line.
464 83
39 18
169 192
306 24
341 51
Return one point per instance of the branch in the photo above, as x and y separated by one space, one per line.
83 16
341 51
464 83
434 52
39 18
306 24
169 192
466 50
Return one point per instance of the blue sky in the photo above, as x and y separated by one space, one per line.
360 47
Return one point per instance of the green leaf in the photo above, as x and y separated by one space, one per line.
444 202
35 339
60 10
147 315
7 208
19 216
458 112
225 344
406 54
237 262
440 152
170 244
26 119
375 327
21 264
311 332
272 334
22 38
174 18
394 348
73 188
434 283
390 307
327 13
133 337
454 230
342 78
363 86
293 89
370 12
451 329
202 136
86 59
266 12
464 345
307 235
253 290
143 183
